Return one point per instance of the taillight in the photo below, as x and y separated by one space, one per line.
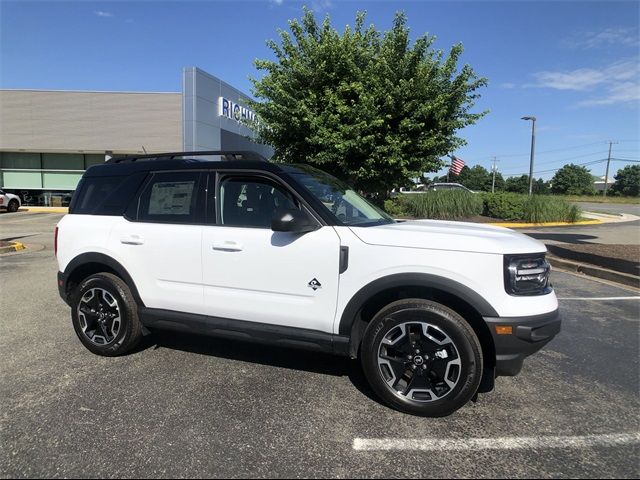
55 242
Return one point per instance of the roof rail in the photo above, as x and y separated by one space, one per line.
226 154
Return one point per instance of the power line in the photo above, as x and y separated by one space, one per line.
593 162
543 152
571 158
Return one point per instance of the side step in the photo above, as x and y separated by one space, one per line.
247 331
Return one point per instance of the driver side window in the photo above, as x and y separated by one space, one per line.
251 201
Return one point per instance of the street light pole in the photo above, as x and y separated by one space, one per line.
533 150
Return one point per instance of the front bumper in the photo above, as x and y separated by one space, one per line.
529 334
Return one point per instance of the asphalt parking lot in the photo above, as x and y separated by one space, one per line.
185 406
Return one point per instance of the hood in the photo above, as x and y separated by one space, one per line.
442 235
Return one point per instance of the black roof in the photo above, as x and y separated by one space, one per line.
127 165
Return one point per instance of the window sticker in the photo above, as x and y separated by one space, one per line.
171 198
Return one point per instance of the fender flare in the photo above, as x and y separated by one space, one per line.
425 280
94 257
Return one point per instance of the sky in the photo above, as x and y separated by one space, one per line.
574 65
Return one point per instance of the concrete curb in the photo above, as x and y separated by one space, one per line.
45 209
14 247
547 224
595 271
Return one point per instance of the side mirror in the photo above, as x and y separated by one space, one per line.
295 221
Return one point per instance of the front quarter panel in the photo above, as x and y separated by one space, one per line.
481 273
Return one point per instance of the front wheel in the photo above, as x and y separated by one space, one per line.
421 357
13 206
105 315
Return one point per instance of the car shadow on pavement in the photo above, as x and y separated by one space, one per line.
562 237
282 357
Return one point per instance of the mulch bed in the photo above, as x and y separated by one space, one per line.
621 258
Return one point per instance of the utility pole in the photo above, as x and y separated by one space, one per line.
493 181
606 175
533 150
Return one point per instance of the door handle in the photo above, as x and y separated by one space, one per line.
227 246
132 240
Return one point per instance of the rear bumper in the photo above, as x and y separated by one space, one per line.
62 287
529 334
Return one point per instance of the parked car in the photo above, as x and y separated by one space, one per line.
9 201
288 255
448 186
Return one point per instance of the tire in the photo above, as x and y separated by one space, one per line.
13 206
422 358
121 330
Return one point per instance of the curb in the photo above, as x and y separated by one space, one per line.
594 271
547 224
45 209
14 247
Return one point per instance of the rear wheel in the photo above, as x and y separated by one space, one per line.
105 315
13 206
422 358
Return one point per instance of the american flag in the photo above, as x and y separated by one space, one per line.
456 165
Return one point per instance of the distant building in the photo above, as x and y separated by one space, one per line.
48 138
598 183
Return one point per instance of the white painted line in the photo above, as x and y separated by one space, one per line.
500 443
600 298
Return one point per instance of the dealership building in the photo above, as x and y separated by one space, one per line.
48 138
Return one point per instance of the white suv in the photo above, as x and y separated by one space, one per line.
289 255
9 201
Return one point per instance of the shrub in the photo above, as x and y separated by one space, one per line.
535 209
395 207
442 205
508 206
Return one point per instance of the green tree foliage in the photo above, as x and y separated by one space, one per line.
627 181
475 178
572 180
517 184
372 108
521 185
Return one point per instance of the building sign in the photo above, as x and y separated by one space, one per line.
229 109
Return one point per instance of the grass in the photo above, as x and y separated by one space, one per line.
601 199
441 205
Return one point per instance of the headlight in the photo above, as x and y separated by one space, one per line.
526 274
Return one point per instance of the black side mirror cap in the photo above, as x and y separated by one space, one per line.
293 220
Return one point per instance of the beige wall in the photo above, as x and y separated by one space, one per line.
50 121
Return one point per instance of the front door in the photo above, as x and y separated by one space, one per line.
253 273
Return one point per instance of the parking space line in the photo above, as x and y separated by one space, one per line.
500 443
599 298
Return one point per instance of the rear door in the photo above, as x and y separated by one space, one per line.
160 241
253 273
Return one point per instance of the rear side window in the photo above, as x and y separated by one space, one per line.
171 198
92 192
105 195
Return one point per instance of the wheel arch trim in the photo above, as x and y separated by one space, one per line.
426 280
100 258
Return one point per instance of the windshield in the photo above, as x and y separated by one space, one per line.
346 204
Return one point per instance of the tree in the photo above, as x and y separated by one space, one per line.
521 185
517 184
371 108
572 180
627 181
475 178
500 184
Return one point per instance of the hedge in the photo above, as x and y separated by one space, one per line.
455 205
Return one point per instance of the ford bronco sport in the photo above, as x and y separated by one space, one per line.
232 245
